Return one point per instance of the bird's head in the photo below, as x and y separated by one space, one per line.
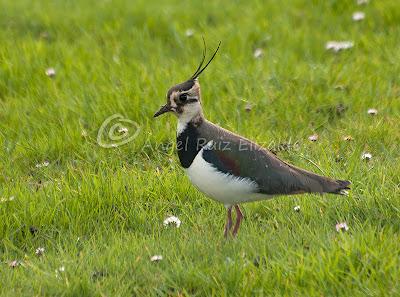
184 99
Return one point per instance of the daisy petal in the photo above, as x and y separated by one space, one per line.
156 258
342 227
172 220
337 46
50 72
366 156
358 16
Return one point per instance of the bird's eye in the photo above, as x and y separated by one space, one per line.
183 97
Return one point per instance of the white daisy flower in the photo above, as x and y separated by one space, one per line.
258 53
156 258
123 130
342 227
366 156
297 208
248 107
11 198
362 2
358 16
39 251
172 220
372 111
337 46
59 270
189 32
44 164
14 263
313 137
50 72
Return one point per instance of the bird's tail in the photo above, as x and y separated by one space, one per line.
314 183
342 186
329 185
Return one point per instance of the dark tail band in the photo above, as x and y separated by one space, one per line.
342 186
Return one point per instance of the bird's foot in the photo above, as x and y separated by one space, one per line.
228 225
239 218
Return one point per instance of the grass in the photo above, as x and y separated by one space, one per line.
99 212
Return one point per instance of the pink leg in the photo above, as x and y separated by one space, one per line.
239 217
228 225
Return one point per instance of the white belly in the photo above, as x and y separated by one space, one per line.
219 186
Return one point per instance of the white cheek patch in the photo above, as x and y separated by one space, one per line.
172 101
189 112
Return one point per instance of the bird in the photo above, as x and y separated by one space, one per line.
227 167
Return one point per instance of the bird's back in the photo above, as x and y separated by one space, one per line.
238 156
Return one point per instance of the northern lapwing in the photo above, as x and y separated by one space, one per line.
228 167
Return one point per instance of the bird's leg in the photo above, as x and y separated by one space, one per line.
239 217
228 225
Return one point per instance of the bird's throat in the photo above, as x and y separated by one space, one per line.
188 143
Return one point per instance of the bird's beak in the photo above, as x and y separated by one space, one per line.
165 108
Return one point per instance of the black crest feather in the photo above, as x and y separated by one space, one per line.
199 70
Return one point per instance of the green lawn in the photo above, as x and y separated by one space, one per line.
98 212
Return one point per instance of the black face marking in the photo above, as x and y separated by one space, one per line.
188 145
185 86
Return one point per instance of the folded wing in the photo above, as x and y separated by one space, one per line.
240 157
